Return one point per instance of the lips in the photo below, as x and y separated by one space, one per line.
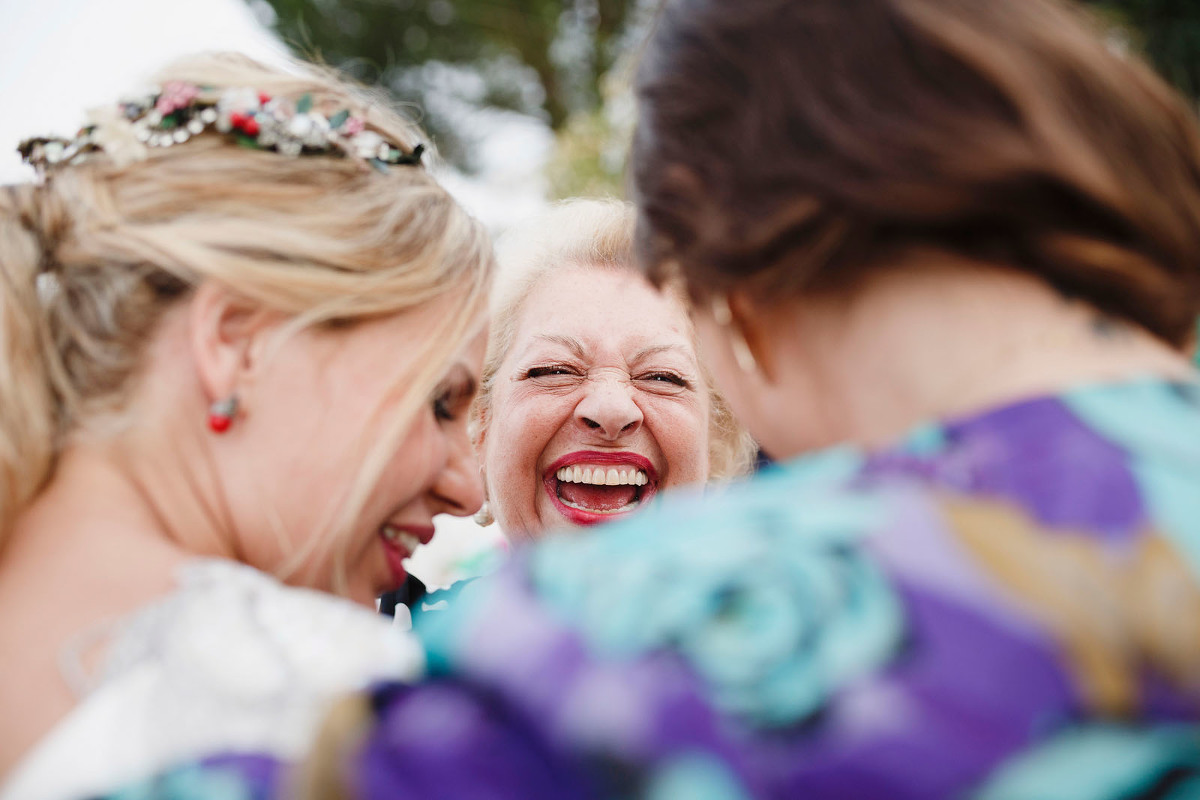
399 543
588 487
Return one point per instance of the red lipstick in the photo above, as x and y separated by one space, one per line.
583 516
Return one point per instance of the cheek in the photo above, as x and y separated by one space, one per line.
522 427
681 430
419 459
311 436
516 439
299 434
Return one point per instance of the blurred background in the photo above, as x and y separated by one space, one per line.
527 101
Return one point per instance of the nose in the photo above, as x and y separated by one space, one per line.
459 488
607 407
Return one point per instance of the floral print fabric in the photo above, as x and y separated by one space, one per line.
1000 607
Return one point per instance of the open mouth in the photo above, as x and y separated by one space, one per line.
399 543
594 487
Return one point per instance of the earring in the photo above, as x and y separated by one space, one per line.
483 517
723 315
221 414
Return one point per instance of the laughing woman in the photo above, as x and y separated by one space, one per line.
594 397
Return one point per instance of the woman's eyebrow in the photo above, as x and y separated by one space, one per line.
569 342
653 350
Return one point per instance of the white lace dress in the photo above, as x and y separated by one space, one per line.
232 660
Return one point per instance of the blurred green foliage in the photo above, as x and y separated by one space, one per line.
1167 32
567 62
592 148
541 57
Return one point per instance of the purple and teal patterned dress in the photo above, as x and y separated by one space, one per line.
1003 607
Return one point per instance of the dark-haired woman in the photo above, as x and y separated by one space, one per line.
945 259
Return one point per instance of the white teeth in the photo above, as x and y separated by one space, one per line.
601 476
401 539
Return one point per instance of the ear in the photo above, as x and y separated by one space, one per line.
229 339
753 322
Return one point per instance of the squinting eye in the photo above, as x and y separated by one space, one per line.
668 378
442 407
549 372
452 401
554 377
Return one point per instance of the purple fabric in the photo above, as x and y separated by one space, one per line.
617 712
1068 477
945 702
446 739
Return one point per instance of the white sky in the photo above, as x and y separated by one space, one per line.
61 57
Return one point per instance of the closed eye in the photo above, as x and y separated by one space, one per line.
664 382
451 402
550 371
554 377
665 377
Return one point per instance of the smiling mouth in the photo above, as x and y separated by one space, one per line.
601 489
399 544
399 539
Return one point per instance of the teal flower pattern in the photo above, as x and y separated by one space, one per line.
774 607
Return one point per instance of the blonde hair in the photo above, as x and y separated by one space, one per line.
322 239
593 233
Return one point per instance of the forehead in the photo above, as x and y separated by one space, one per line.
603 308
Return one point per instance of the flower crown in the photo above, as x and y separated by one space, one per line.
178 111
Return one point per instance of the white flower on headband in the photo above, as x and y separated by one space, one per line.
115 135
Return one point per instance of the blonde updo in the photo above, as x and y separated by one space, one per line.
91 257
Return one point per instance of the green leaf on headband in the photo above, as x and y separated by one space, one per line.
248 142
338 119
304 104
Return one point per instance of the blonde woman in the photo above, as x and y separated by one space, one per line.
594 397
241 330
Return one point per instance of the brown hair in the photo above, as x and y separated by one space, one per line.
791 147
91 259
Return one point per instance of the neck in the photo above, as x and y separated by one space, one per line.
120 514
939 342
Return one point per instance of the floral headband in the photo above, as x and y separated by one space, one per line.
178 111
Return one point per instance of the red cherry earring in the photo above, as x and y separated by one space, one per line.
221 414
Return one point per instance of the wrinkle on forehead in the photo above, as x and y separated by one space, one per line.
580 350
